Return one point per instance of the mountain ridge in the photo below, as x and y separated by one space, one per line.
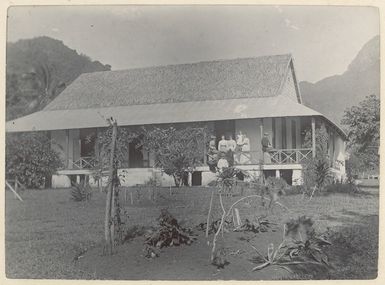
333 94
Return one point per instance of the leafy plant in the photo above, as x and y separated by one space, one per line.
170 233
300 245
276 183
317 170
258 225
123 138
81 192
31 159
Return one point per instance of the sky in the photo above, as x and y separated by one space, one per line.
322 39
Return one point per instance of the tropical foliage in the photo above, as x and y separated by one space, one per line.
317 170
363 125
38 70
30 158
176 151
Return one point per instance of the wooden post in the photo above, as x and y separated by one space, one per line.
67 150
97 148
313 135
261 127
261 130
109 236
209 213
204 149
237 219
189 179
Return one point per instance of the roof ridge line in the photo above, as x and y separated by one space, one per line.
189 63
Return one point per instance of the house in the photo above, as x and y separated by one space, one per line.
253 95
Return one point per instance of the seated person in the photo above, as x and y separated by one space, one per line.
222 163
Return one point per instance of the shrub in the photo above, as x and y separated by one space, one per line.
30 158
295 190
276 183
81 192
346 188
176 151
317 170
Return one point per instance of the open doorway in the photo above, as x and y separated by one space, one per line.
225 128
87 142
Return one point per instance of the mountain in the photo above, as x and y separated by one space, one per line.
332 95
38 69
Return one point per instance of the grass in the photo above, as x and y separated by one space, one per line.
44 233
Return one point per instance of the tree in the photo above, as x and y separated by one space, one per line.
176 151
30 158
363 125
317 170
113 147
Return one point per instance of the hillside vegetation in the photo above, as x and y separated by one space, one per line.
38 70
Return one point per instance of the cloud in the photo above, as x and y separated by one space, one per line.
56 30
124 11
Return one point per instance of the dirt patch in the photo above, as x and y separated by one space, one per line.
186 262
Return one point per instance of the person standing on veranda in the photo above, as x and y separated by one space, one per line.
238 149
266 148
222 145
231 145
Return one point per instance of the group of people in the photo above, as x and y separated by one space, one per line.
228 151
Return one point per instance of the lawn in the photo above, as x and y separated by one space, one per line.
45 233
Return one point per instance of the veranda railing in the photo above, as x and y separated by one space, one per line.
85 162
287 156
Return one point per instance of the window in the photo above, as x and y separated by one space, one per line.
284 142
293 134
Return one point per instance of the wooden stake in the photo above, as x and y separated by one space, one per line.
132 200
13 190
237 218
209 213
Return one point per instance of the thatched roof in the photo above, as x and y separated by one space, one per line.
213 80
198 92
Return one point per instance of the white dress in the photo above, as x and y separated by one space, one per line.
222 146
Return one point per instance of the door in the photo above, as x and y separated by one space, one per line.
225 128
